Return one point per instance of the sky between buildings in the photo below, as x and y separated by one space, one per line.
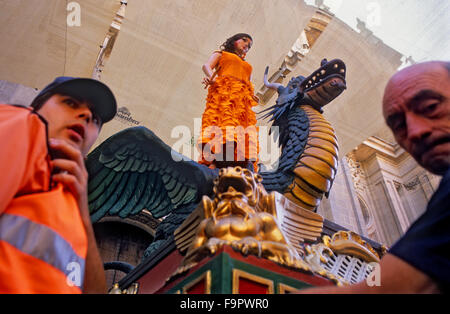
416 28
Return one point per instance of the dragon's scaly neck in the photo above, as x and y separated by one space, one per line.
315 168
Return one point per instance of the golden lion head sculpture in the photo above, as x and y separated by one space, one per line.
239 185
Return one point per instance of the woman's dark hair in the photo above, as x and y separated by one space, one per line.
228 45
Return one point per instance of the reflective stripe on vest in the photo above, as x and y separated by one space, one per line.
42 243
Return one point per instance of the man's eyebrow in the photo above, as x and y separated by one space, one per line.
77 98
423 94
81 100
393 117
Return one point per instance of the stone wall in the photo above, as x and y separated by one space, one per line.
12 93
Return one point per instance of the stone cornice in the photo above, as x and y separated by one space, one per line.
389 149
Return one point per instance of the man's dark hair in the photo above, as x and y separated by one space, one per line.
40 101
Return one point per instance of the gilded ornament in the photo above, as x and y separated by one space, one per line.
244 216
350 243
132 289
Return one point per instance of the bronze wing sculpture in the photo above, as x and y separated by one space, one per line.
135 170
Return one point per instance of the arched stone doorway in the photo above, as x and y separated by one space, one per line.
124 240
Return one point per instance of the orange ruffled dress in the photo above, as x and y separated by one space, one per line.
228 116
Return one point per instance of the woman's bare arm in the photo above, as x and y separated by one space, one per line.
208 68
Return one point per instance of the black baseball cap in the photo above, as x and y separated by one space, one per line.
95 92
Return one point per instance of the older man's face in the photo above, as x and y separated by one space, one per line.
416 106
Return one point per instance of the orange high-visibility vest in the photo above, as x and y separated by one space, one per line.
43 243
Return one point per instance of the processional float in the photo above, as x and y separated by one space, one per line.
232 230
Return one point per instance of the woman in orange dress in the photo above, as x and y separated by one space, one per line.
229 134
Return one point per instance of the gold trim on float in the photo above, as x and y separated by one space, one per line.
205 276
237 274
132 289
350 243
284 289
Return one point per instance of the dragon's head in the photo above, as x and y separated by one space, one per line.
317 90
324 84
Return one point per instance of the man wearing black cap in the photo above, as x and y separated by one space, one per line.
47 244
